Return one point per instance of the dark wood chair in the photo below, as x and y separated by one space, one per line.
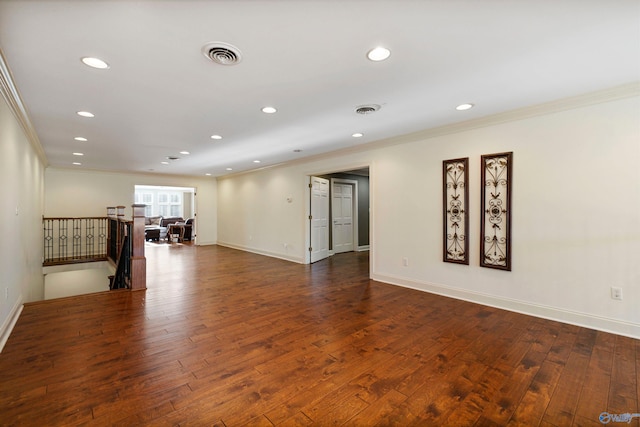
188 229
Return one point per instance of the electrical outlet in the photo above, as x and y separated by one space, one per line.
616 293
405 262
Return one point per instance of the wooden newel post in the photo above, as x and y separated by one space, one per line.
138 260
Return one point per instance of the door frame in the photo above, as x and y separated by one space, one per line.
193 190
307 192
354 211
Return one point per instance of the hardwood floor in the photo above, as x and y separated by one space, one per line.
223 337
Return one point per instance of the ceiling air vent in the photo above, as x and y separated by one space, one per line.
222 53
367 109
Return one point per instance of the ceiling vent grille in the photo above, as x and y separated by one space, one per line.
222 53
367 109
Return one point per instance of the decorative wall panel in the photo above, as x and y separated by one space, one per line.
495 224
455 214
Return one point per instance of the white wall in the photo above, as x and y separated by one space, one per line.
77 193
575 224
22 177
255 214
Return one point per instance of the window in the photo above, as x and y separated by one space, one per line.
164 201
145 198
170 203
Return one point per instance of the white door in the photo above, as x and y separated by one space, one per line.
342 216
319 218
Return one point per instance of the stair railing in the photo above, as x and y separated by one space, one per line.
73 240
126 248
112 238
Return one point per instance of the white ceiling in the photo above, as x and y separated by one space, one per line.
308 59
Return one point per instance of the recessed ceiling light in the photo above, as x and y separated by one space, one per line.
77 163
185 152
78 154
256 161
207 174
80 138
229 169
216 137
95 63
164 163
357 135
269 110
463 107
378 53
85 114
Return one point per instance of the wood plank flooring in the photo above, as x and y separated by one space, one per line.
228 338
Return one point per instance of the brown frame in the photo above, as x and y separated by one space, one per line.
455 212
497 177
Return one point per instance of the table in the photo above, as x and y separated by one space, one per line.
176 229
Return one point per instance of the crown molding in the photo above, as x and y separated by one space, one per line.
606 95
11 95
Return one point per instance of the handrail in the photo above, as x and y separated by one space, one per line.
130 232
74 217
121 279
118 251
73 240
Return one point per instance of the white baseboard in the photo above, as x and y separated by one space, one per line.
10 322
265 253
362 248
600 323
205 243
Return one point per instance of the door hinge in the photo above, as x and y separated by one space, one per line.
310 217
310 185
310 249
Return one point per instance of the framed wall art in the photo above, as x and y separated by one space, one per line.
455 214
495 223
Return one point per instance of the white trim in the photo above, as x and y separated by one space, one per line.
605 95
586 320
362 248
285 257
107 265
199 243
10 322
10 93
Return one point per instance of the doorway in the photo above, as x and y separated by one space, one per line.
347 216
170 203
